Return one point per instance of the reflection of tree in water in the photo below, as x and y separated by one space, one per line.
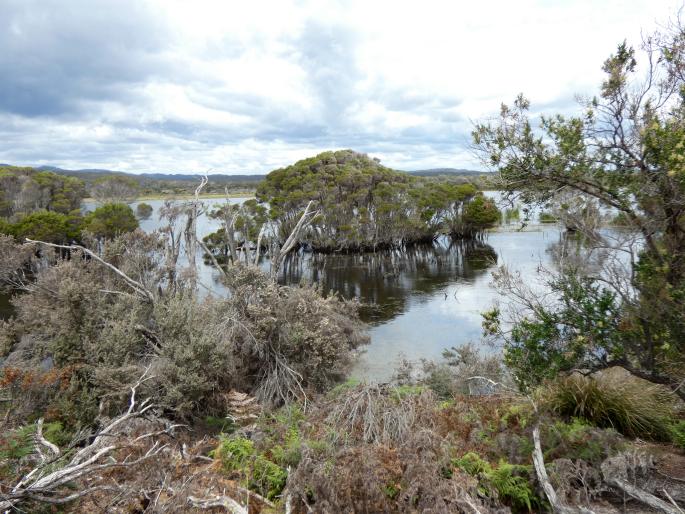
384 281
576 251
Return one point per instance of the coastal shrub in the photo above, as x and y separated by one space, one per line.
48 226
577 439
632 407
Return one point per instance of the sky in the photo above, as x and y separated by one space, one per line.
245 87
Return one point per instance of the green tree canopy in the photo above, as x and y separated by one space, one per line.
24 190
144 210
626 150
363 204
51 227
110 220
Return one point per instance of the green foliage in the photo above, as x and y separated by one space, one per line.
238 457
144 210
364 205
640 178
24 190
510 482
48 226
678 433
565 336
578 439
630 406
110 220
20 443
480 213
290 452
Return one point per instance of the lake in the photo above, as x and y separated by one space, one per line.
416 302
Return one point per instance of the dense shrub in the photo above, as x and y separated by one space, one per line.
144 210
280 343
52 227
110 220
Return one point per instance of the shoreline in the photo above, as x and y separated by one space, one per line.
189 196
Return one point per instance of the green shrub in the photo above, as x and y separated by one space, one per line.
547 217
580 440
508 482
632 407
290 452
111 220
237 455
144 210
267 478
678 434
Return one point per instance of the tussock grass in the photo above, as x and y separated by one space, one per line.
630 406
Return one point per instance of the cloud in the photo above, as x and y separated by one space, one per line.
170 85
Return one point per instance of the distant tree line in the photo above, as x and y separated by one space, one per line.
47 206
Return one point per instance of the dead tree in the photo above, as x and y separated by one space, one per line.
293 239
193 211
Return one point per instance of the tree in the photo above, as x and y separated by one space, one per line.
48 226
144 210
115 189
363 205
626 150
24 190
110 220
480 213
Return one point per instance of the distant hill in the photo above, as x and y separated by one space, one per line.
94 173
181 177
435 172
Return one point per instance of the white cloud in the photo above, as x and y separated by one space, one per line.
244 87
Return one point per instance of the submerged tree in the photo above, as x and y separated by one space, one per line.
626 152
365 205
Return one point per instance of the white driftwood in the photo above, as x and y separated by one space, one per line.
217 501
619 482
47 482
539 461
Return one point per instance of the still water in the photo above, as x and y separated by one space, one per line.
416 302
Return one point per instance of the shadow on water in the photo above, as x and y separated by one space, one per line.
385 281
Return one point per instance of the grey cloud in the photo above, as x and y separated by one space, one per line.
55 55
66 63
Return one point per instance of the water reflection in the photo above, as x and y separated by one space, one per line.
383 281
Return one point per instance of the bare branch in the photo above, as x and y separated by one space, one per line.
133 284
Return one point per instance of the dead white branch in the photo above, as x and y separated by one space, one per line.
612 473
539 461
217 501
49 481
293 239
133 284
